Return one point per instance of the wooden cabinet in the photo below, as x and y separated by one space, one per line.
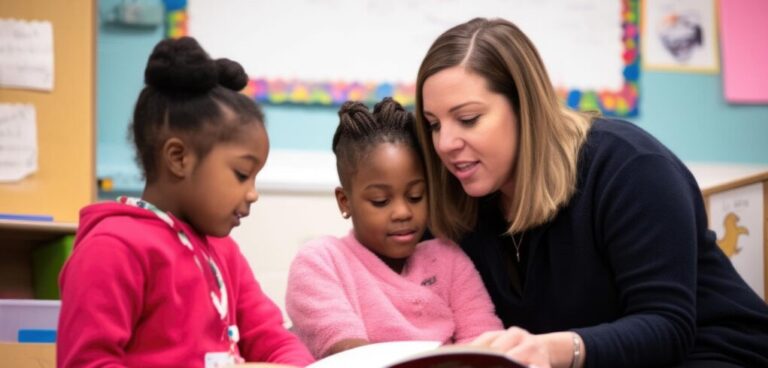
18 242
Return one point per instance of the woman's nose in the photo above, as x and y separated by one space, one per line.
447 139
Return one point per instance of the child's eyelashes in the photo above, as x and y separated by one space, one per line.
379 203
240 176
385 202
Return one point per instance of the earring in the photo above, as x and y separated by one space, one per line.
345 214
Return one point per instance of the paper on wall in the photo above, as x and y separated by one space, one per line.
18 141
26 54
744 30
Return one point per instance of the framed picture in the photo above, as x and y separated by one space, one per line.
680 35
738 213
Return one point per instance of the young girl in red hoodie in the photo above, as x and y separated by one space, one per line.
157 281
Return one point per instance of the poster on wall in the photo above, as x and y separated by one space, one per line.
736 216
680 35
744 31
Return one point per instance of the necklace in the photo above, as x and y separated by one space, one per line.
517 245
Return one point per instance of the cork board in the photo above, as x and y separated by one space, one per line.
65 179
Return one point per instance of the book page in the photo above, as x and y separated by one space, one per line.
378 355
458 356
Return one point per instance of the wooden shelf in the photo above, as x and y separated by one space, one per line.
18 240
34 231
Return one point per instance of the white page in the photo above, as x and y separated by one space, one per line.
26 54
18 141
375 355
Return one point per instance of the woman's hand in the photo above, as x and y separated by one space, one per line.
517 344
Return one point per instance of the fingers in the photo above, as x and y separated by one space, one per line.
507 341
486 338
517 344
502 340
530 351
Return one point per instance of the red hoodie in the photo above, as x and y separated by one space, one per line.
132 295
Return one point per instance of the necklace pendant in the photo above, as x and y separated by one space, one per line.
517 254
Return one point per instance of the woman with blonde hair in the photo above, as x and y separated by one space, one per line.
589 234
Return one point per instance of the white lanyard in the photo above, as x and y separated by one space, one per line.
220 303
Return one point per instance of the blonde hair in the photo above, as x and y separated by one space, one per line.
550 134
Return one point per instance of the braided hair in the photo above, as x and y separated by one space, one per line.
188 94
360 130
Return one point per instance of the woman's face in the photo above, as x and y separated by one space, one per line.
474 130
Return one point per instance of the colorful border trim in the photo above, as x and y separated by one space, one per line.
175 18
623 103
311 93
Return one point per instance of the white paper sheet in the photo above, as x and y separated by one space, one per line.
385 41
18 141
26 54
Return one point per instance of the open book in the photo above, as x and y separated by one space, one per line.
416 354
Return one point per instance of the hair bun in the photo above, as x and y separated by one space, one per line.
231 74
181 65
350 108
388 106
392 111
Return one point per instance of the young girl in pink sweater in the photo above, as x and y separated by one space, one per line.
380 283
157 281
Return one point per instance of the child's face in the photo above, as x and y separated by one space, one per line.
222 186
387 201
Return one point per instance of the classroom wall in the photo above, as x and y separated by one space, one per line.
122 53
64 180
686 112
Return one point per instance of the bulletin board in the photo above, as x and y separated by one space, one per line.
65 179
738 213
325 52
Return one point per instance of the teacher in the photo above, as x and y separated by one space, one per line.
589 234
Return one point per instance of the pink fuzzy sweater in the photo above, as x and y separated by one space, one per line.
338 289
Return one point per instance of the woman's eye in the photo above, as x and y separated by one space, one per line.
469 120
434 127
416 199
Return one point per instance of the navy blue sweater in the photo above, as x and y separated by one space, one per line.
628 263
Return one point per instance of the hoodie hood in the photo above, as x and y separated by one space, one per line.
92 215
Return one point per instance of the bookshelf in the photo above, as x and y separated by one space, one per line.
20 239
